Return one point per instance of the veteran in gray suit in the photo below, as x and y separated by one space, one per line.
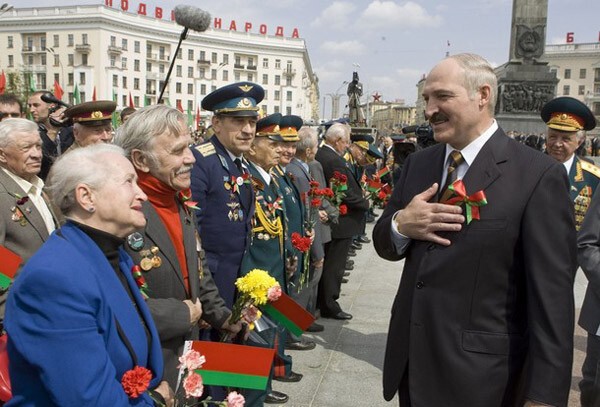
26 218
181 292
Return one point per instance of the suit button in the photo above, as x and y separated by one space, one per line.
420 285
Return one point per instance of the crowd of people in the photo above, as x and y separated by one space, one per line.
132 240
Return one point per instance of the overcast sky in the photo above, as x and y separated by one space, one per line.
391 43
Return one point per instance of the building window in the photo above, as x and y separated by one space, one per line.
179 54
113 41
225 75
288 81
190 54
238 61
82 78
136 65
250 62
136 83
10 41
70 79
70 59
148 49
265 80
213 74
161 68
70 40
124 82
277 95
11 61
115 81
178 87
30 60
213 57
84 59
57 77
250 77
278 64
288 110
566 90
567 74
190 87
225 59
190 71
277 80
266 95
597 75
276 109
236 76
113 61
43 59
201 73
264 109
136 47
125 100
178 71
41 80
136 100
123 62
55 41
265 62
213 88
582 73
43 43
596 109
581 89
288 96
148 66
190 106
289 66
84 39
124 44
203 89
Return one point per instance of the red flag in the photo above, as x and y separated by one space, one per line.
10 264
289 313
197 117
94 95
58 92
179 105
131 101
2 82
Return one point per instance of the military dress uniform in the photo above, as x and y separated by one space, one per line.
584 178
226 201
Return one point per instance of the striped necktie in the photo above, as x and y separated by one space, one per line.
454 160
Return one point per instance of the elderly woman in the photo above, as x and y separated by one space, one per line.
79 331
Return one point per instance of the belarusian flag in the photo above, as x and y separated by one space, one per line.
374 185
289 313
76 95
8 266
385 170
233 365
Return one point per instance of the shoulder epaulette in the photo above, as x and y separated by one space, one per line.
206 149
589 167
257 184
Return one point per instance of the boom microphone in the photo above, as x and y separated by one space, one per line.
50 98
192 17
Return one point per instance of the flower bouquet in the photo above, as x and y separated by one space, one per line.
339 186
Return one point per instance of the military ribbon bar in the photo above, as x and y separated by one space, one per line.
472 202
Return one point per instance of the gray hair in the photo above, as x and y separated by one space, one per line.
85 165
337 130
308 139
9 128
478 72
139 132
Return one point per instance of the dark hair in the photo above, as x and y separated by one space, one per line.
10 99
127 111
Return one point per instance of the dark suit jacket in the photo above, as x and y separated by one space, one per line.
588 244
468 317
73 330
22 240
167 292
350 224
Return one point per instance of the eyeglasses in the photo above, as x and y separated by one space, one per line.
13 115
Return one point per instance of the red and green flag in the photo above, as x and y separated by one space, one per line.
233 365
8 266
385 170
2 82
289 313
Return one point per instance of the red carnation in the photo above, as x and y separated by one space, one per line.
315 203
382 195
300 243
135 382
314 184
328 192
343 209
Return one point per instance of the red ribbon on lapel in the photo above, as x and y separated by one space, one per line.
472 202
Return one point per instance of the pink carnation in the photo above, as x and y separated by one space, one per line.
192 385
274 293
192 360
234 399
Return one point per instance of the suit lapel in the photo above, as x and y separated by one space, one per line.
190 244
484 170
158 233
28 209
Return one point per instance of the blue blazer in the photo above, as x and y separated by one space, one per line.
61 318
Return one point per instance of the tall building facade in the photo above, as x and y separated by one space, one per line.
125 56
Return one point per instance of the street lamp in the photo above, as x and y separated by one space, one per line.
5 8
335 100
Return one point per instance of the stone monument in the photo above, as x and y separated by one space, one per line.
525 82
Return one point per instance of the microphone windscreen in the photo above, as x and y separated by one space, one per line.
409 129
192 17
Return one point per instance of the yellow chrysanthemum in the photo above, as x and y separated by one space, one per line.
256 285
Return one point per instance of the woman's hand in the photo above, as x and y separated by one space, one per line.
167 393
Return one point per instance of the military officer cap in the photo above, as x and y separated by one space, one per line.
289 126
96 113
568 114
342 120
268 127
237 99
362 140
398 138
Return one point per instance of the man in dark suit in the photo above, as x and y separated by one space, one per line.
181 290
484 312
337 140
26 217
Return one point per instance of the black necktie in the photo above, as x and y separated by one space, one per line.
238 164
454 160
